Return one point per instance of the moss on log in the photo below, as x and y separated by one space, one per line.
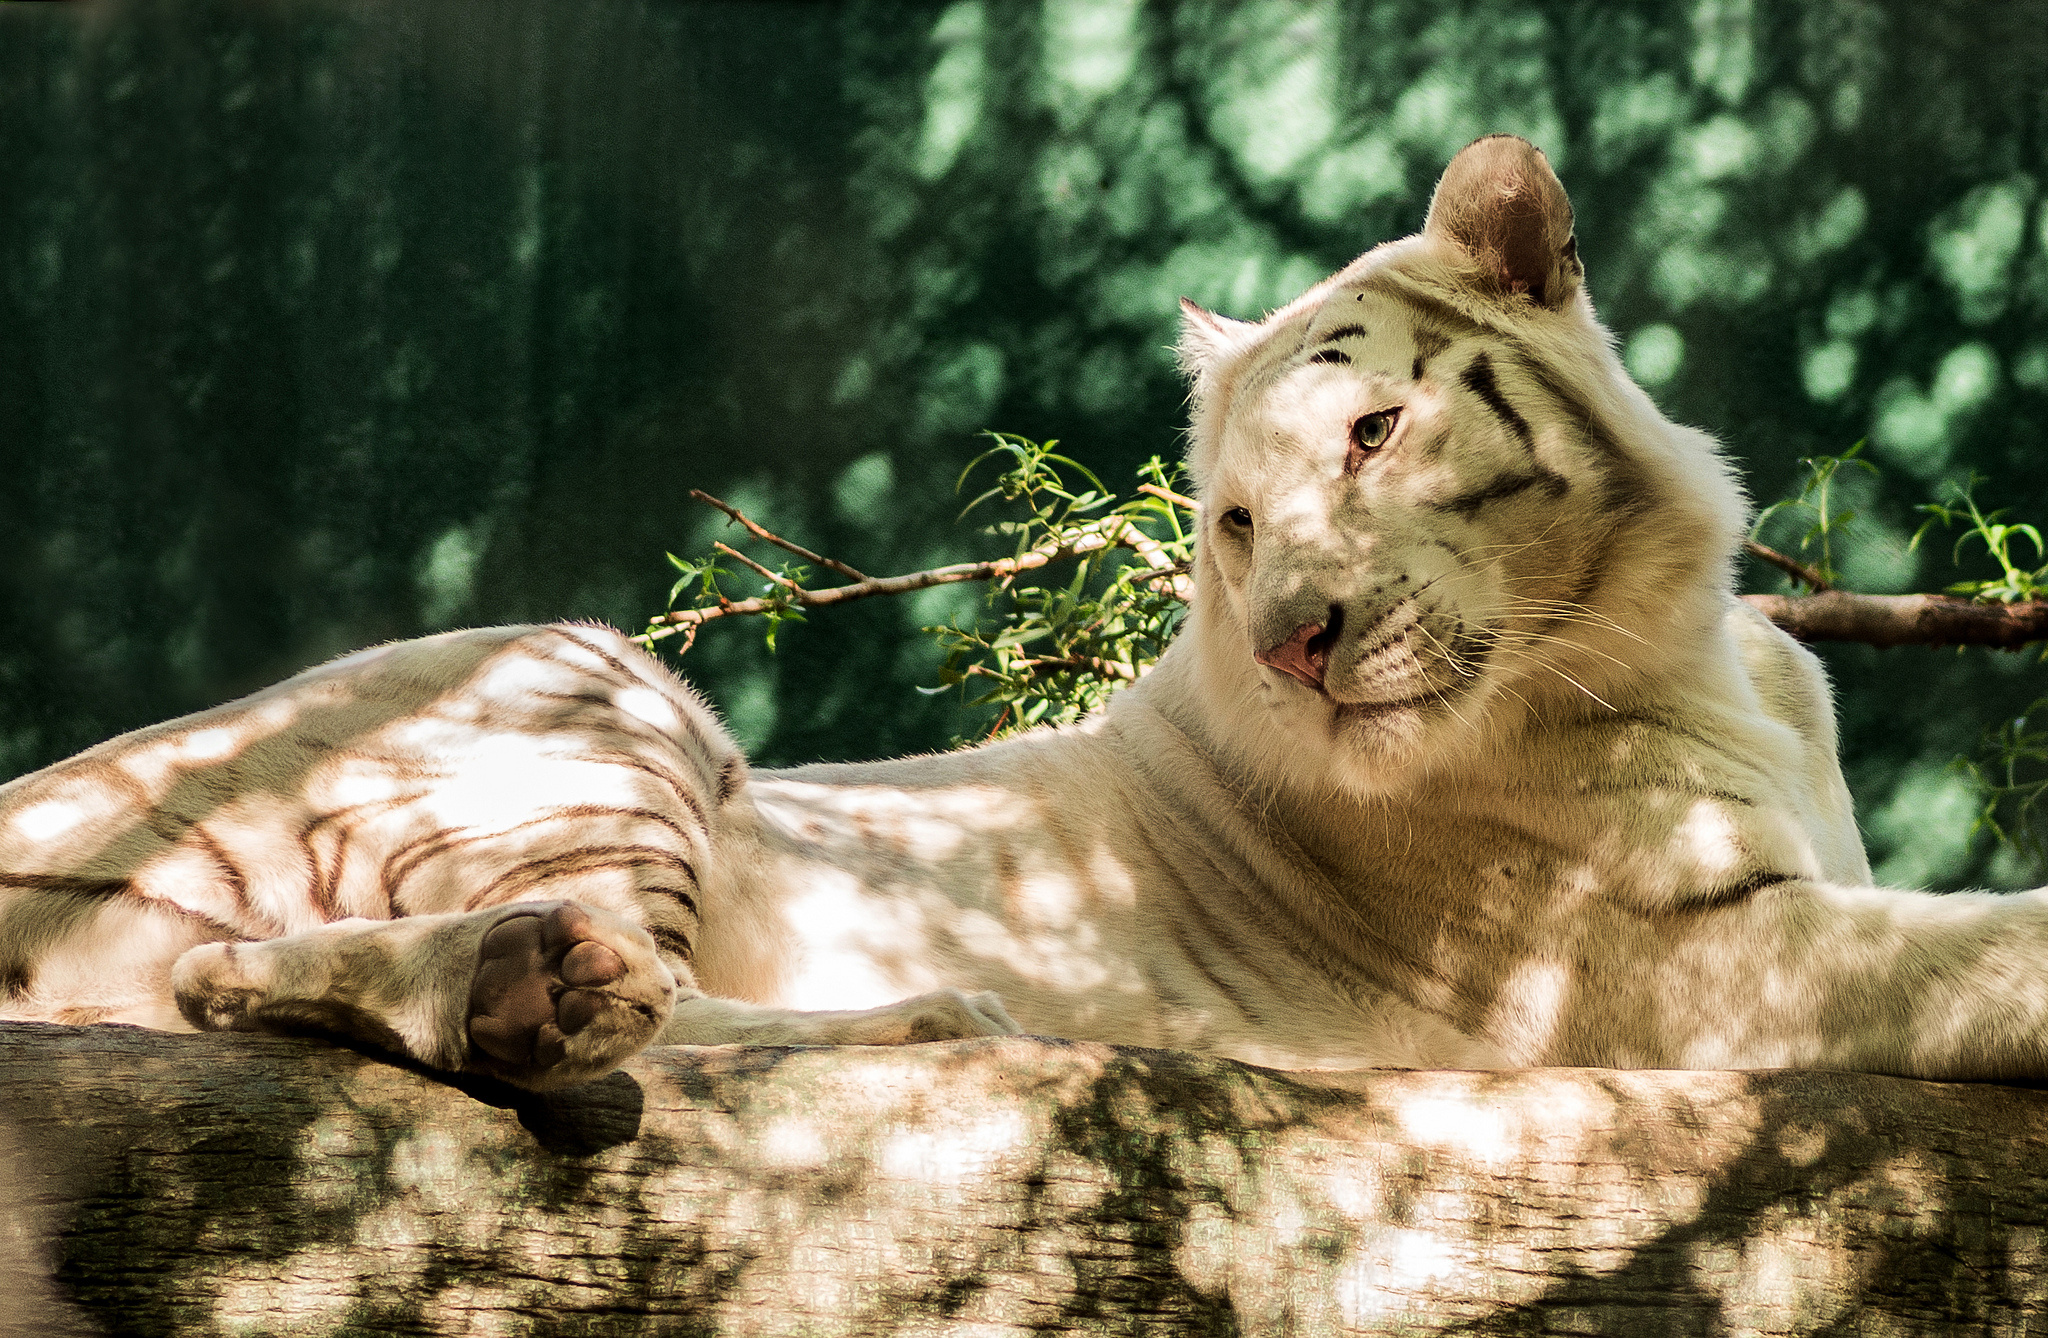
254 1185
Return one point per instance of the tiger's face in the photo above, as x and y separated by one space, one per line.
1427 486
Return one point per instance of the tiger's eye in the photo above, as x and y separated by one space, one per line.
1371 432
1238 518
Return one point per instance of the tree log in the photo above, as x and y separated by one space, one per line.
1905 620
260 1185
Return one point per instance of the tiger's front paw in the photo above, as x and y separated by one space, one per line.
562 993
957 1016
942 1015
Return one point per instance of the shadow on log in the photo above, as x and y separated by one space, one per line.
254 1185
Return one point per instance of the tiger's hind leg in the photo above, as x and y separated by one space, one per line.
539 994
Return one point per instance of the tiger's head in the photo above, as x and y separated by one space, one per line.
1436 511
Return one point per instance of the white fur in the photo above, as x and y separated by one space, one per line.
1618 836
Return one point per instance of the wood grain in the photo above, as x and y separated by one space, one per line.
245 1185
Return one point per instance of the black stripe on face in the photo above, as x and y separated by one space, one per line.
1630 493
1429 342
1424 307
1467 504
1336 355
1478 378
1343 332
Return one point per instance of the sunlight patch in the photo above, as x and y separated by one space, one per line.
1282 109
648 706
863 488
1456 1122
952 92
1828 371
1350 178
206 745
47 820
1923 832
1090 45
1723 147
1839 222
1724 46
448 575
951 1156
1655 354
1973 246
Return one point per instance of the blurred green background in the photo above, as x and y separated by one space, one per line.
329 321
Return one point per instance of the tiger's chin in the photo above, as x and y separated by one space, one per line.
1375 747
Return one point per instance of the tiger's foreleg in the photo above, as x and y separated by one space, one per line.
539 994
942 1015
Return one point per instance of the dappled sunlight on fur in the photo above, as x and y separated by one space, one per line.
1465 757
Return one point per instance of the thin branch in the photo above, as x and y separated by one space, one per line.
1077 664
776 539
1826 615
1797 570
1905 620
1109 532
1169 495
774 576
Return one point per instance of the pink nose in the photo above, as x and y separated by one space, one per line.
1297 658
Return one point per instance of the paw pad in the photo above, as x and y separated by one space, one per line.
537 984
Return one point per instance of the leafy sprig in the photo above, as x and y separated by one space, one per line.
2010 774
1052 653
1815 501
1049 651
2015 581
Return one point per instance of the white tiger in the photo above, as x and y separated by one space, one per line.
1465 757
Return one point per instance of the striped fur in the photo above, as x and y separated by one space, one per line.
1466 756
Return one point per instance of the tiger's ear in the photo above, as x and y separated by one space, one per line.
1206 338
1500 201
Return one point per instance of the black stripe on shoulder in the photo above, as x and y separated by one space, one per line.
1736 893
1479 379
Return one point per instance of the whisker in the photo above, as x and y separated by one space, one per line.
1504 638
1570 610
1580 686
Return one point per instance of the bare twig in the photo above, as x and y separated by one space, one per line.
1792 567
776 539
1905 620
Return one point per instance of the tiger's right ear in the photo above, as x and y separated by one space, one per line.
1205 337
1500 201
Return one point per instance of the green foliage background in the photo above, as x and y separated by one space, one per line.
326 321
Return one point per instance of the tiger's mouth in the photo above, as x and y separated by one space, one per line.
1411 665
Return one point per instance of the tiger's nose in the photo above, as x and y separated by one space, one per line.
1303 655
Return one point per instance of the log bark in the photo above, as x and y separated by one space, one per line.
1905 620
257 1185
